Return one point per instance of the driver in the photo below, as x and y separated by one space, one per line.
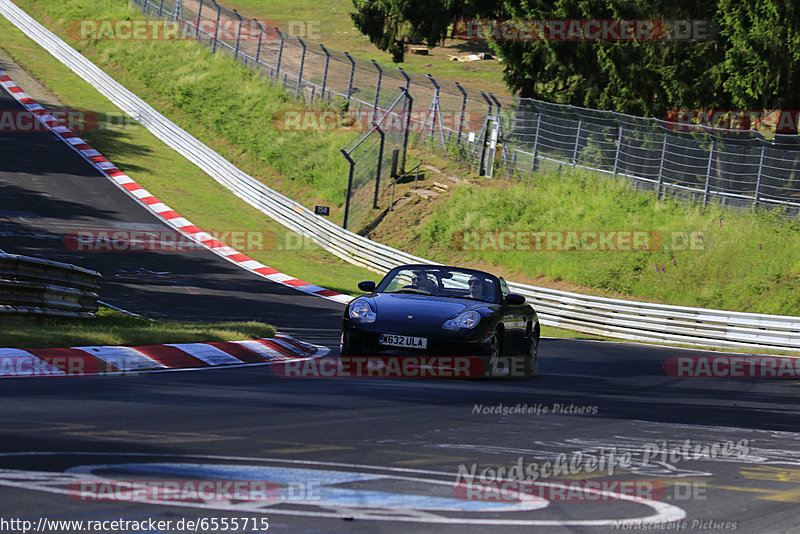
420 280
477 289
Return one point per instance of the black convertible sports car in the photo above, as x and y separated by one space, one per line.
437 310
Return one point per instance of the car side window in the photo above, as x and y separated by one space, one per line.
504 287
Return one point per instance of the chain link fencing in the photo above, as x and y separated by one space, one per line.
516 136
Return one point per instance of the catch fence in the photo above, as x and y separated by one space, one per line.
516 136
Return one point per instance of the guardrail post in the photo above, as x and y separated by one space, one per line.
463 111
280 57
352 74
377 89
758 178
302 64
238 37
349 187
325 73
380 163
708 173
661 166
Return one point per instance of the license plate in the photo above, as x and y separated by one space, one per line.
403 341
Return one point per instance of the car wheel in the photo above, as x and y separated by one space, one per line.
533 353
495 347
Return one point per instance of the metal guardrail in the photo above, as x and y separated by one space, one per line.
36 287
638 321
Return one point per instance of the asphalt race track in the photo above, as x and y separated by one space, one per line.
362 454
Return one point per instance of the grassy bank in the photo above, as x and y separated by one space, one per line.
714 257
329 23
115 328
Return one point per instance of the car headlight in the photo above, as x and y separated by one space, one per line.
361 312
467 319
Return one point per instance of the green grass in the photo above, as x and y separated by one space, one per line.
746 261
329 23
115 328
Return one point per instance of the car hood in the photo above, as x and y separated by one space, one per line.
397 306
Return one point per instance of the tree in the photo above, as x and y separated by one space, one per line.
644 78
762 62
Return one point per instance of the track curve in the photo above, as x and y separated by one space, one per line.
365 455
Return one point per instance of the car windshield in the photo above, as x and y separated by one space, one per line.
441 281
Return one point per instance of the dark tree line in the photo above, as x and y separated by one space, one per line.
750 59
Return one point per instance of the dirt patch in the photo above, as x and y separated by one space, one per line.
30 84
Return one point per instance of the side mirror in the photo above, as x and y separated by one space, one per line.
367 286
514 299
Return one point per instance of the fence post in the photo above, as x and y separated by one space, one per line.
325 73
238 37
497 128
352 74
408 128
161 9
377 90
349 186
216 27
758 178
482 141
407 102
197 25
463 110
661 166
438 109
380 162
708 172
577 142
280 57
260 37
302 64
535 159
616 153
177 13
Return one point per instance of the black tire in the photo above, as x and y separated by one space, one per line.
496 349
533 355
